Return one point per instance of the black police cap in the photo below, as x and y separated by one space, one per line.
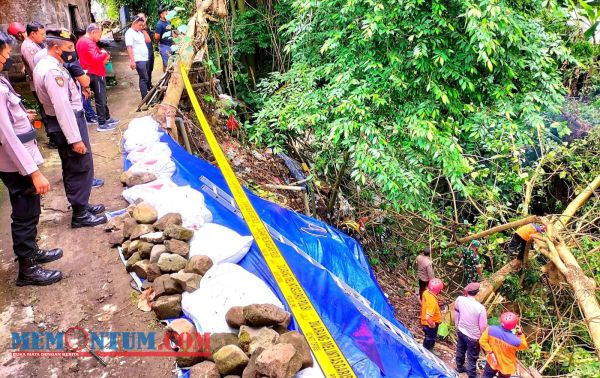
59 34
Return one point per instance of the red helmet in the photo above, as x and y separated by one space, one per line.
15 28
509 320
435 286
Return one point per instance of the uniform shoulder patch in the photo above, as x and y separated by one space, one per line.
60 81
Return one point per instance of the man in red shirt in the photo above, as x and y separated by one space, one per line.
93 60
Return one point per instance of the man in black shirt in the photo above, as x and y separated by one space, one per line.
163 36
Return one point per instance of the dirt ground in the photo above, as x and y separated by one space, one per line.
95 293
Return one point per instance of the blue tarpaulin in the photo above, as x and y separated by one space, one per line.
333 270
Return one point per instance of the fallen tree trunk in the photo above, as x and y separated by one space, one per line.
502 227
583 287
492 284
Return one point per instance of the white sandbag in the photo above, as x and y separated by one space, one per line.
221 244
152 192
145 152
146 123
139 139
141 132
189 203
222 287
162 167
310 372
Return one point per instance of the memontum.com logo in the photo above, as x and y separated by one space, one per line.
78 342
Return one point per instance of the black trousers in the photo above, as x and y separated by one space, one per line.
150 65
26 210
430 336
142 70
77 169
98 86
470 348
488 372
42 111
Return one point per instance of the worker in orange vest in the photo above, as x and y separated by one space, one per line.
501 346
431 316
520 238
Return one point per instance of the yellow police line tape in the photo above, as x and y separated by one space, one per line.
326 351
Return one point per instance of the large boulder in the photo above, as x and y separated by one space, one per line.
116 237
157 250
141 268
199 265
132 261
144 249
169 262
300 344
178 247
279 361
134 179
153 237
141 229
250 369
129 224
235 317
165 285
219 340
167 306
145 213
254 338
230 360
153 272
260 315
205 369
167 220
188 281
174 231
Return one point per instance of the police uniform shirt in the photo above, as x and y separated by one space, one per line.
15 156
28 51
59 95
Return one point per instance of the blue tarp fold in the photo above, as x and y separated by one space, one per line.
333 270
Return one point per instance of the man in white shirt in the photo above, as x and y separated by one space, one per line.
470 318
136 39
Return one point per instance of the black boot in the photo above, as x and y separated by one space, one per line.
42 256
83 218
96 209
30 273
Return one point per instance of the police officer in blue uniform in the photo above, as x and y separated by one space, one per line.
19 171
61 98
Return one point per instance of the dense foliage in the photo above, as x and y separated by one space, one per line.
414 90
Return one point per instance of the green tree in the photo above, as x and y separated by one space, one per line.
415 91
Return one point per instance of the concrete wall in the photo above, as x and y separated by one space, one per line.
51 13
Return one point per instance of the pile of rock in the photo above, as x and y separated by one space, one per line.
157 251
263 346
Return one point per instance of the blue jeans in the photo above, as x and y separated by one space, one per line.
142 70
165 53
90 114
430 336
469 347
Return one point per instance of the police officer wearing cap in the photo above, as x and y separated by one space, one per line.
67 127
19 161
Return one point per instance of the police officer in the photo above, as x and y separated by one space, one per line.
19 160
67 127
